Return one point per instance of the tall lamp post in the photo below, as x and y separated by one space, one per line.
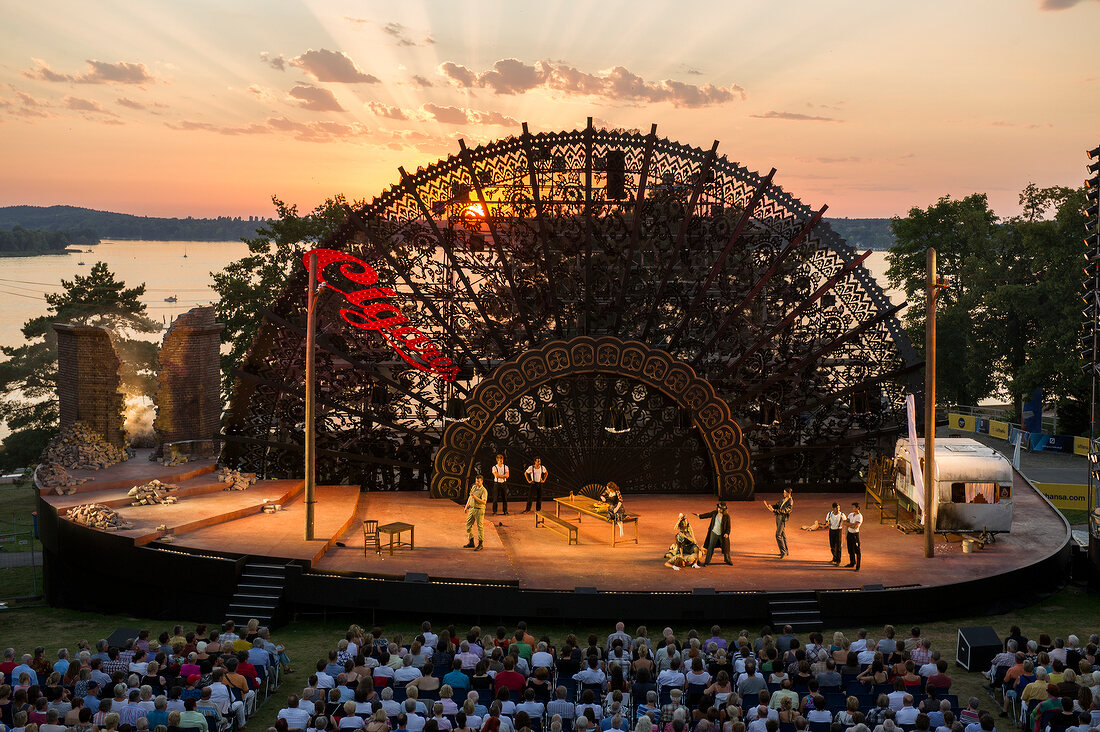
311 458
934 285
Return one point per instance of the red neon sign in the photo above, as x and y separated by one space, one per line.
382 316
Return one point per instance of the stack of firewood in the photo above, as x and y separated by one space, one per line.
98 516
79 447
54 475
235 479
153 492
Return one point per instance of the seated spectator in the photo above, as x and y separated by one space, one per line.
908 713
880 712
939 681
819 713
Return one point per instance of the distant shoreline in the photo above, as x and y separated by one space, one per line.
46 253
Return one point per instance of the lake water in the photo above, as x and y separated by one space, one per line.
161 265
168 269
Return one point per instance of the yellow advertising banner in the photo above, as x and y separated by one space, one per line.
1066 495
998 429
960 422
1080 446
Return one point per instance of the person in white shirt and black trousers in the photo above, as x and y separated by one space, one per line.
536 474
500 484
854 521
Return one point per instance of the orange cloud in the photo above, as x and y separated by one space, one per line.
99 72
794 116
512 76
315 99
334 66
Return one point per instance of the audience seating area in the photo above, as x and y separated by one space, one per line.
193 681
510 681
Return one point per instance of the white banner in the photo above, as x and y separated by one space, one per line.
914 454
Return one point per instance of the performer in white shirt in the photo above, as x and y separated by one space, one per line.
500 484
854 520
833 521
536 474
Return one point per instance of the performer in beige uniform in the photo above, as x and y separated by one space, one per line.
475 513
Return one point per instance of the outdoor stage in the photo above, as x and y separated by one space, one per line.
532 570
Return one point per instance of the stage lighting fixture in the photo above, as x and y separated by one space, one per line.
685 419
616 422
456 410
550 418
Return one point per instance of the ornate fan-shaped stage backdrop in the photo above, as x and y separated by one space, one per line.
742 342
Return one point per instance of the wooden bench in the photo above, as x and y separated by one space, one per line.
550 521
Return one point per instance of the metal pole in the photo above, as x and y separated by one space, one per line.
930 404
311 331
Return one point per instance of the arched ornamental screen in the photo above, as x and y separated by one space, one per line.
508 253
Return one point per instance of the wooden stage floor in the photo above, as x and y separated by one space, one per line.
538 558
519 554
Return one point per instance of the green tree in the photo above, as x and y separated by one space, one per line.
28 376
962 233
1010 319
1033 300
252 283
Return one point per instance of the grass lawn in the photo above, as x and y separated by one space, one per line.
17 503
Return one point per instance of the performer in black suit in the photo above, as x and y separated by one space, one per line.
718 533
782 510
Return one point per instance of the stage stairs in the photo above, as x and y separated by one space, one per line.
798 609
259 593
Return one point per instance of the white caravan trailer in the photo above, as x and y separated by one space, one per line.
972 485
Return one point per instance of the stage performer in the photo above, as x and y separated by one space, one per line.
782 510
854 521
685 551
500 484
833 521
613 497
475 513
719 533
536 475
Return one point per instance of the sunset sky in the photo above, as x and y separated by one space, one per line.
209 107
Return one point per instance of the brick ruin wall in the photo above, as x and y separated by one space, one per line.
188 399
88 384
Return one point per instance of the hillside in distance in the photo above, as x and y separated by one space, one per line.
109 225
862 234
86 224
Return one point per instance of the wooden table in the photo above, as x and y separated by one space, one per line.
394 531
585 506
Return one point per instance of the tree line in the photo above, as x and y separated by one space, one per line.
23 240
85 223
1010 319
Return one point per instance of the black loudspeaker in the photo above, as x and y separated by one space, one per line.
977 647
416 577
616 174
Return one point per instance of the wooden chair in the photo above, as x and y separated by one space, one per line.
370 535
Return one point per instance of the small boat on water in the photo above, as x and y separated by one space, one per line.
171 298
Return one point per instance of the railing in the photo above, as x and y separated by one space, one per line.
20 558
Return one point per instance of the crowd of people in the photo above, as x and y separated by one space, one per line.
202 680
511 681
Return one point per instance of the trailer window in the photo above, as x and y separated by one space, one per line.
974 493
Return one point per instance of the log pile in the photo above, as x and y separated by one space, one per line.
235 479
152 493
54 475
174 460
98 516
79 447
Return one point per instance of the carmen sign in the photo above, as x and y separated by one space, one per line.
373 310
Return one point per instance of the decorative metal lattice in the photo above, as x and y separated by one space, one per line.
500 250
